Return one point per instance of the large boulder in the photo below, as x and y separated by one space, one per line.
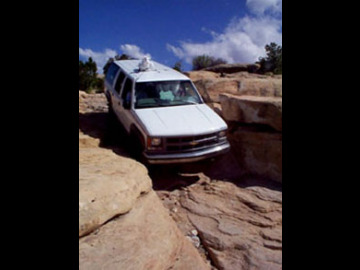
122 222
242 83
145 238
255 133
252 110
108 184
258 151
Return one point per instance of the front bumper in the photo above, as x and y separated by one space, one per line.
188 156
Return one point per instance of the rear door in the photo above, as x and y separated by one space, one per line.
116 101
124 105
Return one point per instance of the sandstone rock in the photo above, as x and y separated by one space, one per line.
257 148
216 107
144 238
211 89
258 152
82 94
239 227
108 184
242 83
86 141
92 102
252 110
201 75
260 85
82 104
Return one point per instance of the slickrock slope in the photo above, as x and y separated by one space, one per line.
238 227
145 238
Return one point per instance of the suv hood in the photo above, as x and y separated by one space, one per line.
180 120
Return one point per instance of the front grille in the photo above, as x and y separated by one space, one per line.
190 143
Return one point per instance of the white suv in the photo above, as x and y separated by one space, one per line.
163 113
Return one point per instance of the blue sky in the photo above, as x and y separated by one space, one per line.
178 30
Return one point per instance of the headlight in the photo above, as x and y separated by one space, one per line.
153 143
222 134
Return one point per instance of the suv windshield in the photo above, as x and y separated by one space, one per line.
165 93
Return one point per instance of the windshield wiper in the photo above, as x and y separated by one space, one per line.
190 102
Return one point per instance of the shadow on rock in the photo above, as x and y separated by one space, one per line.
168 177
174 176
107 129
222 168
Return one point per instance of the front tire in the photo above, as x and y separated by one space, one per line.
137 146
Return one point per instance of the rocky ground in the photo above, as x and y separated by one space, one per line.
233 219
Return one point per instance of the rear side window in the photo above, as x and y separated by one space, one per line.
119 82
111 73
126 94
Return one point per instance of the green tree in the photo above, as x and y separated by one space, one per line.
273 60
87 76
204 61
177 66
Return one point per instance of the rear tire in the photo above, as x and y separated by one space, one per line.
110 109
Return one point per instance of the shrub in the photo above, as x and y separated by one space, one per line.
88 80
204 61
273 61
177 66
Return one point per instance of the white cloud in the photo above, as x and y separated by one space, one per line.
259 7
100 58
177 51
133 51
242 41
